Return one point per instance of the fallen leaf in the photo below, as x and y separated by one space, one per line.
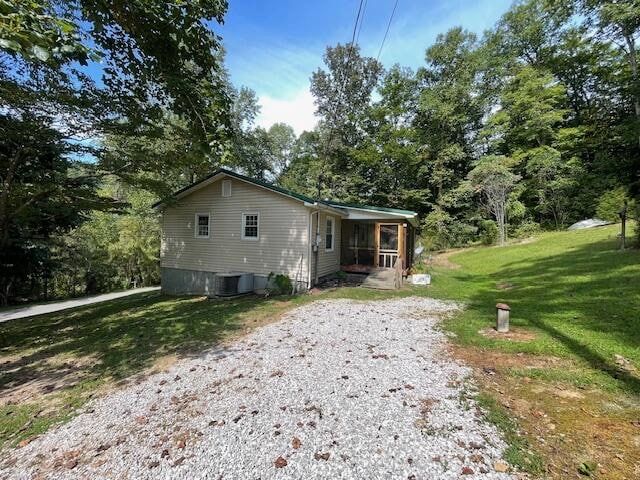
295 443
322 456
467 471
280 462
141 419
26 442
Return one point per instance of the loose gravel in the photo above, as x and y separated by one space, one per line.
336 389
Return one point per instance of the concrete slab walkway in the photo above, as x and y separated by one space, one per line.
32 310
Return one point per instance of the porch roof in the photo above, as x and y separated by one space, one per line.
368 212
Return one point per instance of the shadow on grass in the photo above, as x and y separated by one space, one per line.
586 299
114 339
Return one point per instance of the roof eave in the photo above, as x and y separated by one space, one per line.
329 208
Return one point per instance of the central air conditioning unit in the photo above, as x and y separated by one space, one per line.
233 283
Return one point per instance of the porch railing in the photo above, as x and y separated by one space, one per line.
387 258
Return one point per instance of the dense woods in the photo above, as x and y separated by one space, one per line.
532 126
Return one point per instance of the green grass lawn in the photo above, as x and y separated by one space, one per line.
575 290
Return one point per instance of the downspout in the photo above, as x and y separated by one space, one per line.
309 232
317 249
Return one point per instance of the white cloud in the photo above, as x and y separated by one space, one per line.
297 110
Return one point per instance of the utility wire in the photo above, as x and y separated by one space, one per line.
387 31
364 8
341 87
349 54
355 27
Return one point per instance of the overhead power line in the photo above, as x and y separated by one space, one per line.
359 16
395 5
355 26
364 8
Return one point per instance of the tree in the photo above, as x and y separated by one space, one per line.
493 180
615 23
527 127
161 70
551 181
110 250
449 112
306 166
343 94
43 194
281 141
385 163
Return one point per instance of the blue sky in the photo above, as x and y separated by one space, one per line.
273 46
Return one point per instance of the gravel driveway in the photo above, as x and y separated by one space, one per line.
337 389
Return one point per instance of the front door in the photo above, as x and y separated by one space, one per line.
388 244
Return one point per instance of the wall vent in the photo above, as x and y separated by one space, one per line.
226 188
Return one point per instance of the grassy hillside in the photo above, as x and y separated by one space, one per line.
569 373
575 291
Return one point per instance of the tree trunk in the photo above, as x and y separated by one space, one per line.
623 227
500 219
4 199
633 62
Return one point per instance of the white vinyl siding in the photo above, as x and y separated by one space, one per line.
328 261
281 247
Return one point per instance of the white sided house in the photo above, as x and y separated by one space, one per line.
232 223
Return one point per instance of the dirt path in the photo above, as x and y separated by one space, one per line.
33 310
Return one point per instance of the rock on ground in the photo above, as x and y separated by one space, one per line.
337 389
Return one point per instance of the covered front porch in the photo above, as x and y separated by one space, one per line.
377 240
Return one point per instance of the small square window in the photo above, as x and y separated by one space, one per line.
226 188
250 226
202 225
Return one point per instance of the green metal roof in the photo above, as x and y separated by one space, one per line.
370 207
255 181
284 191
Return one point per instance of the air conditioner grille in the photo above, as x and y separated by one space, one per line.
228 285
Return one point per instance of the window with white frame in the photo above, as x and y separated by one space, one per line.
226 188
202 225
329 234
250 226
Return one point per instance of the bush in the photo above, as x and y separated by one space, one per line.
441 231
279 284
612 202
489 232
340 275
526 229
